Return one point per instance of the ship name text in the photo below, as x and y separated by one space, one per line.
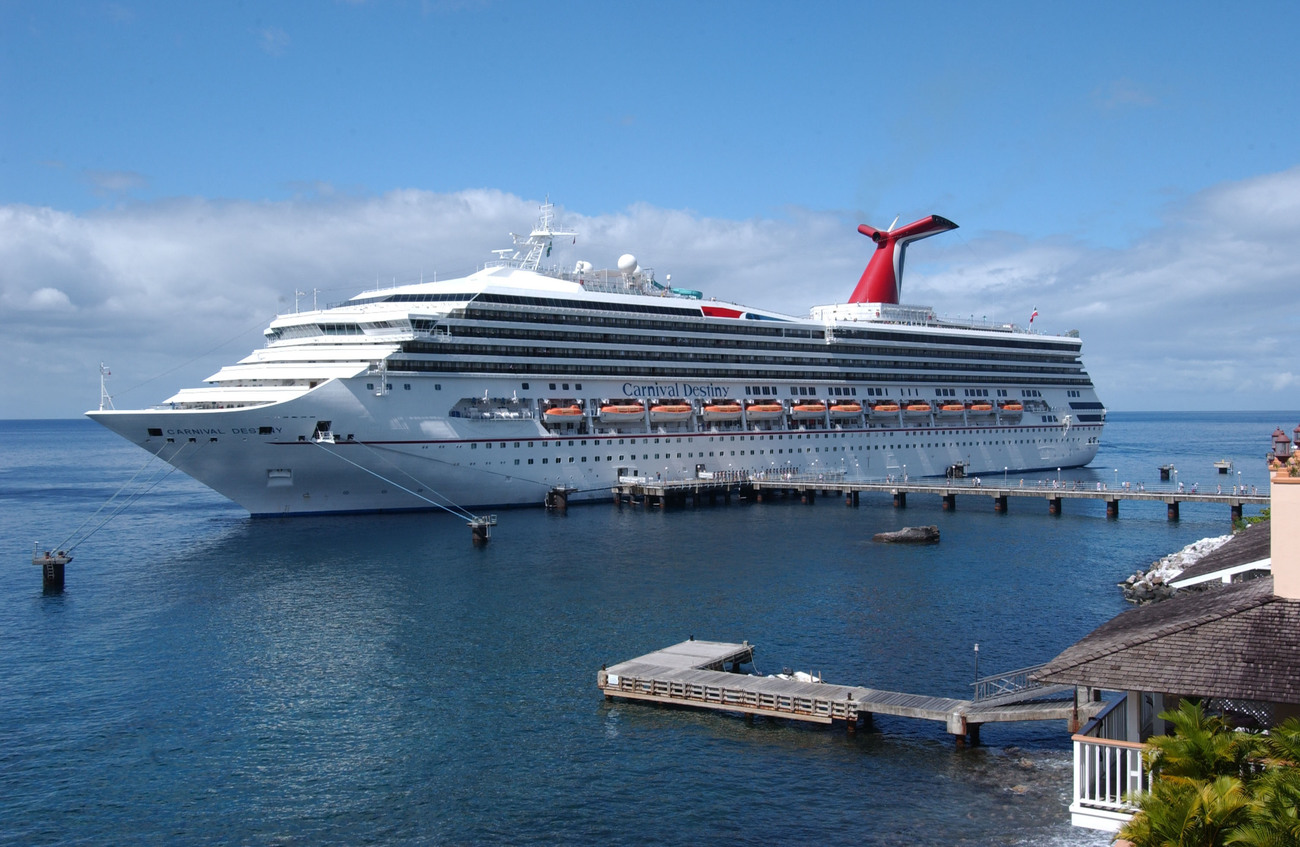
675 389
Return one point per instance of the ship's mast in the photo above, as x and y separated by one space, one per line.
538 242
105 399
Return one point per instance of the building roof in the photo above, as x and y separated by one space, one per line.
1253 544
1235 641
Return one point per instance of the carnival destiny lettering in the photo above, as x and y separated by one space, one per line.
675 389
239 430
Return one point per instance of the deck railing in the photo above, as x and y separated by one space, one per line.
1107 771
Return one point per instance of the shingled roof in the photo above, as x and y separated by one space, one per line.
1250 545
1235 641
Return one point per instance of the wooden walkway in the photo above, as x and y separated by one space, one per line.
807 486
695 674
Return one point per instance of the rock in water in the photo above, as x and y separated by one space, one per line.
910 535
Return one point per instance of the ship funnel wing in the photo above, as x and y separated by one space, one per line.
881 281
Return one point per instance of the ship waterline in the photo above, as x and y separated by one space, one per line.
492 389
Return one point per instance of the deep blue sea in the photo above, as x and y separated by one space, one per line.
208 678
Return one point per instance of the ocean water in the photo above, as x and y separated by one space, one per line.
209 678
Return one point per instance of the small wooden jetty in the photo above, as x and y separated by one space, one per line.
653 492
706 675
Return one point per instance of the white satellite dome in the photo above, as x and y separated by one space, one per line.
582 267
627 263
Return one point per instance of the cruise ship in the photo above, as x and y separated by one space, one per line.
499 387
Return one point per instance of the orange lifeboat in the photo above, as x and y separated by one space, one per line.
1011 410
983 407
808 410
885 409
918 410
622 412
563 413
846 410
722 412
951 410
764 411
666 412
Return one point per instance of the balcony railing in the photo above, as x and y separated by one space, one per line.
1106 771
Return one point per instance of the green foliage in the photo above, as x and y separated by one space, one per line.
1213 785
1242 523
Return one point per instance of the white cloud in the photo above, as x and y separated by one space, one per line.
114 182
1200 313
273 40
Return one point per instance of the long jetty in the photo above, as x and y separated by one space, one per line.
655 492
707 675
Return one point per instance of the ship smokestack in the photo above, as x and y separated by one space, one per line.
881 281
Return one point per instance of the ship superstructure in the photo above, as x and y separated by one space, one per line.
494 388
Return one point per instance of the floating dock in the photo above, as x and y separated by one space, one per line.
706 675
650 492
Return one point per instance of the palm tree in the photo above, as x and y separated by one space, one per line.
1201 747
1198 790
1275 805
1188 813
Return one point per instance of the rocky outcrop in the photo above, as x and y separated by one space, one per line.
1153 584
909 535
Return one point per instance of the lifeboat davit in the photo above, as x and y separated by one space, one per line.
806 411
668 412
622 412
846 410
885 409
918 410
764 411
560 414
722 412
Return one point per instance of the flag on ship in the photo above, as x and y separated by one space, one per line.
1034 315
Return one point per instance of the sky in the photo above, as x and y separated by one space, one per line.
172 173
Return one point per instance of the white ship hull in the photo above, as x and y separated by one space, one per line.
389 452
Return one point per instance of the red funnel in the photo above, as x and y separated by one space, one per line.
880 282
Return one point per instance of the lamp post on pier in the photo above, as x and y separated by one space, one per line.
977 663
1004 477
1117 479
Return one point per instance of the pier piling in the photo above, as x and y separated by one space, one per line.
52 576
692 491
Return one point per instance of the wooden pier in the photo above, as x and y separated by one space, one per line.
755 487
706 675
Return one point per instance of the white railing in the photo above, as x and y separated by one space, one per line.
1106 772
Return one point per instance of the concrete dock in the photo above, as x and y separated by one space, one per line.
807 486
706 675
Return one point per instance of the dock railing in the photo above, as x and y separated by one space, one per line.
999 686
1107 771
